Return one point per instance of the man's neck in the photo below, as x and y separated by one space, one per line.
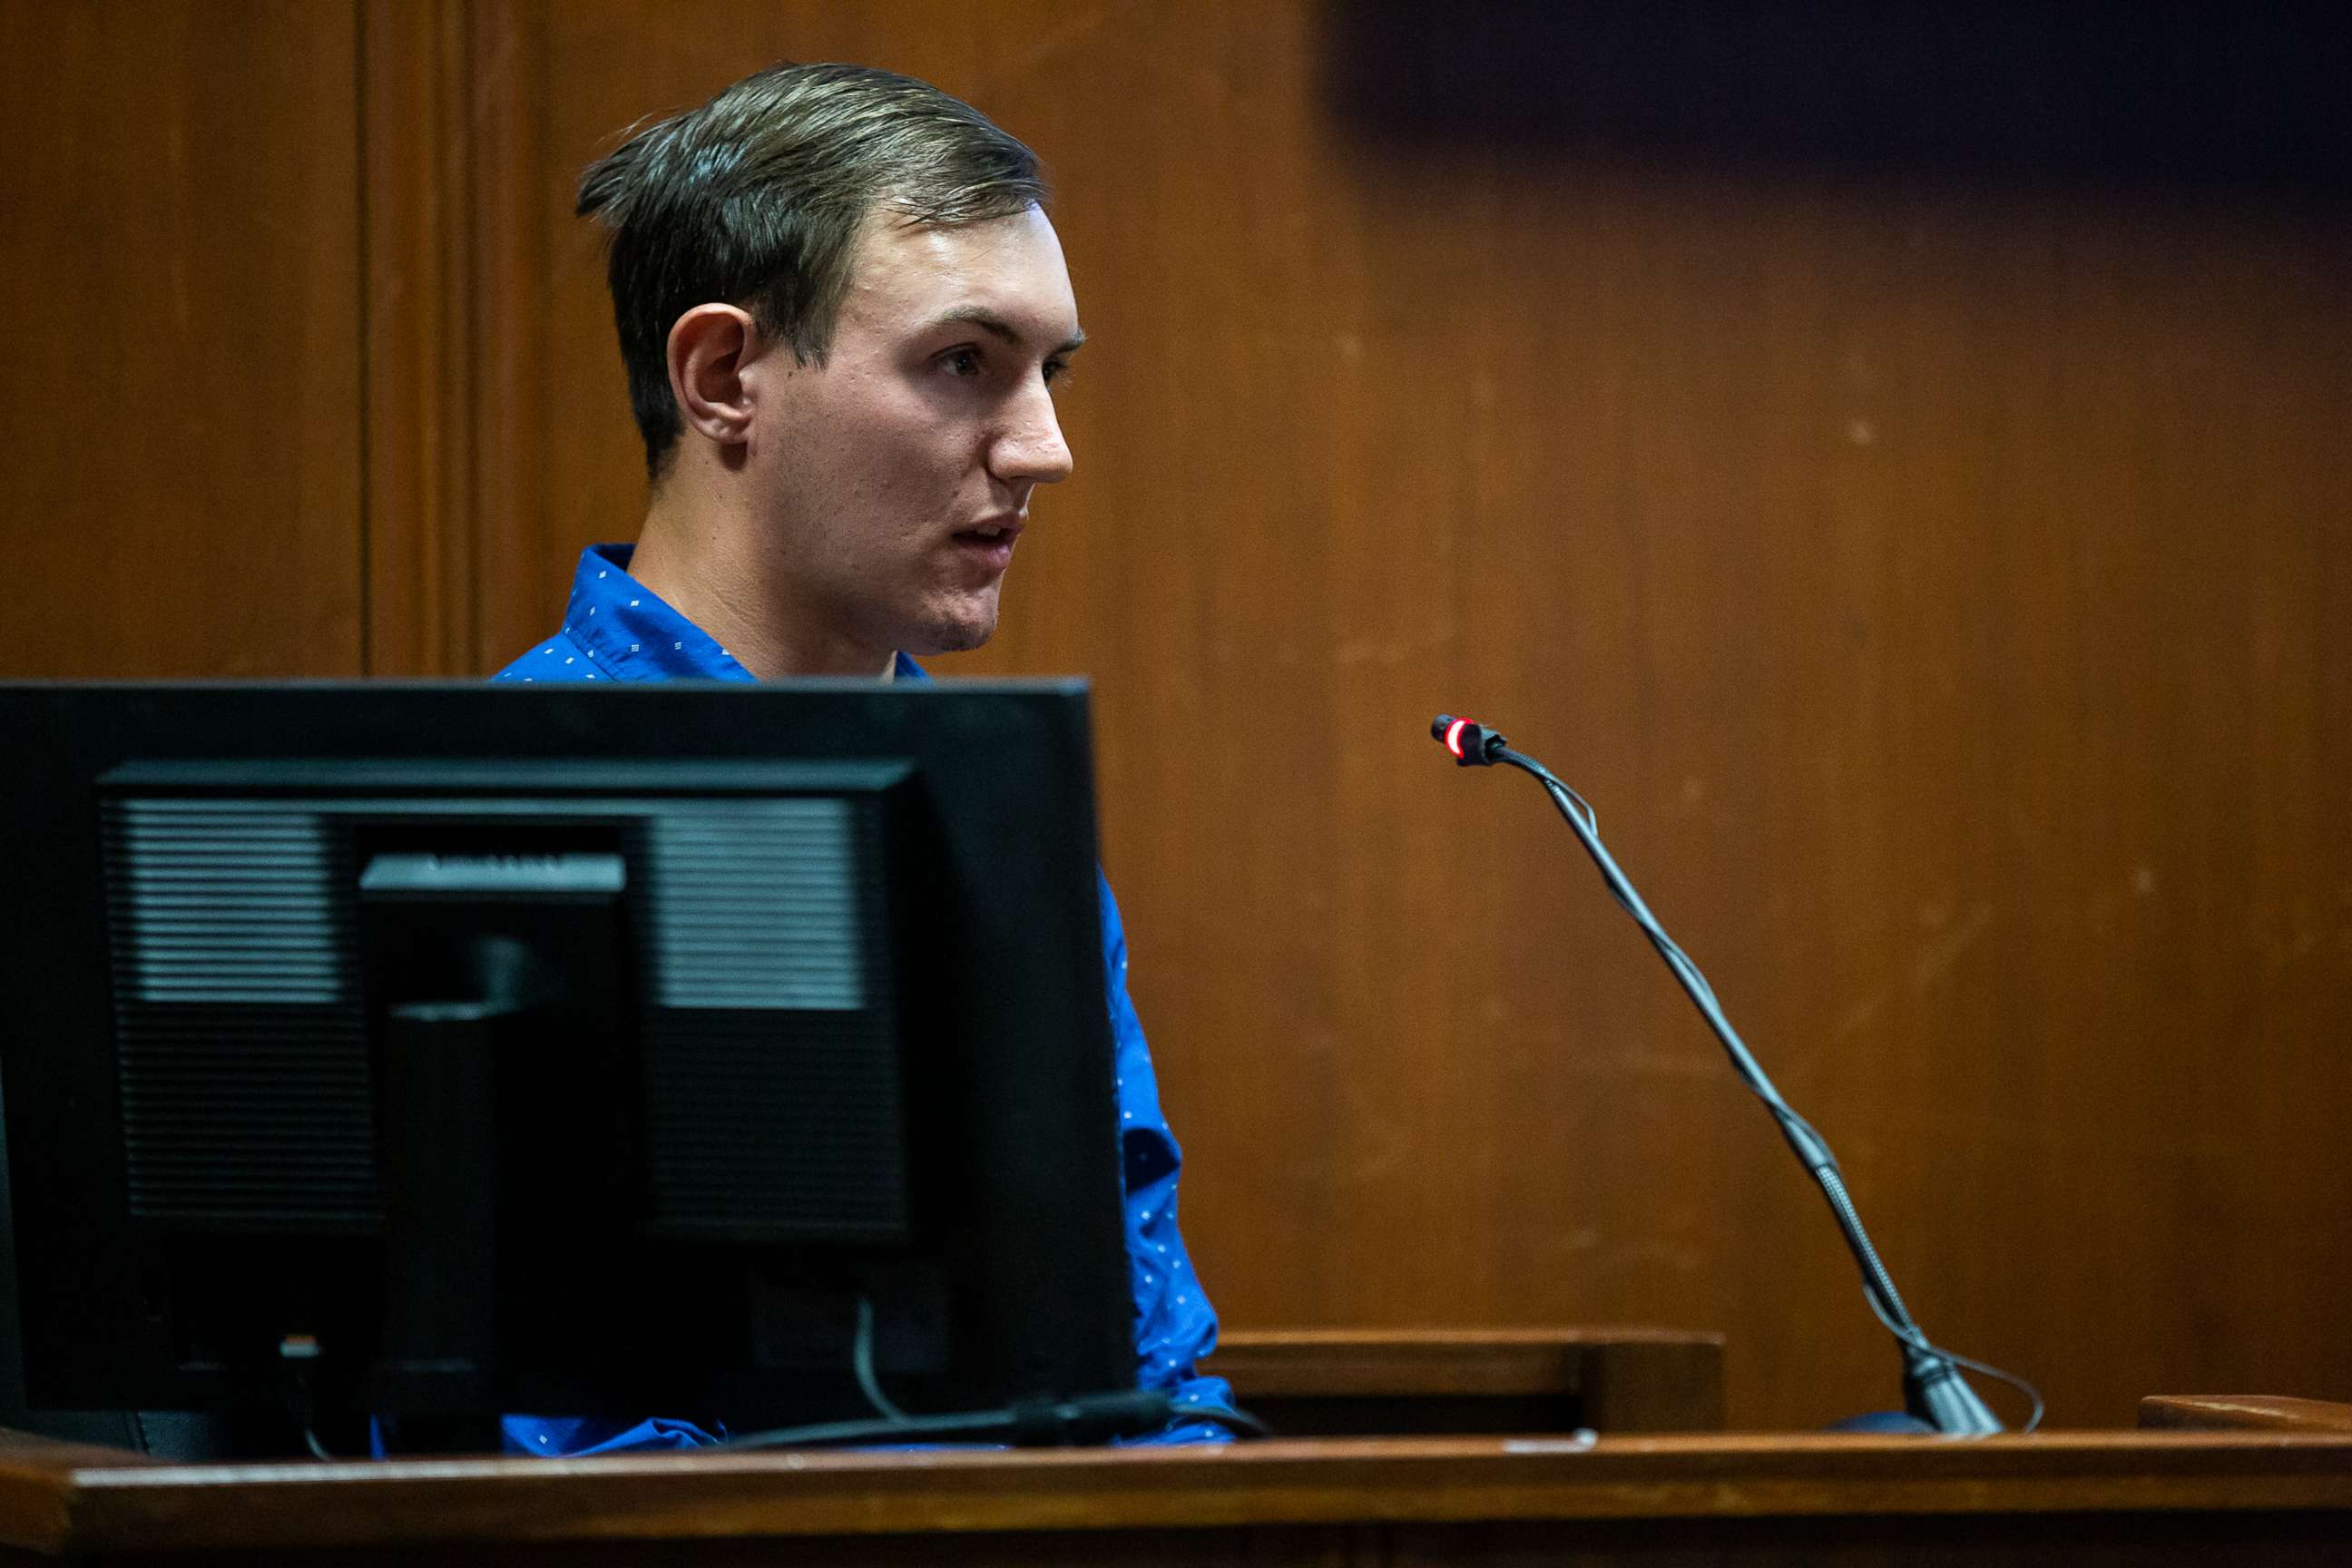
701 565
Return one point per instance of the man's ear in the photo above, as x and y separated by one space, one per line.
709 347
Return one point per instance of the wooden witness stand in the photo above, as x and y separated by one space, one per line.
2279 1495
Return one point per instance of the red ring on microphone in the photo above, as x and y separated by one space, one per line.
1454 736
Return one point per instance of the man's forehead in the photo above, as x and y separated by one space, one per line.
1005 276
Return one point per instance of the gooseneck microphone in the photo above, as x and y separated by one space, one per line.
1934 1391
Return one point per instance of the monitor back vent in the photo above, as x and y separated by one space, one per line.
759 906
241 1046
772 1096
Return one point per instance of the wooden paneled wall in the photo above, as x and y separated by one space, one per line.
1893 460
180 242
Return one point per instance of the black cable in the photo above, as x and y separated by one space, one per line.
298 1361
928 1428
1033 1424
1230 1416
862 1359
1812 1149
1088 1417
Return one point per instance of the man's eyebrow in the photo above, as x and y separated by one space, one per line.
996 326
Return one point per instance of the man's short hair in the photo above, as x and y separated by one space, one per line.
756 199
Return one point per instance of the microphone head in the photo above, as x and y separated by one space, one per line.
1473 744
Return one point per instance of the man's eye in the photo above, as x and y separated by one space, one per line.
1056 369
961 361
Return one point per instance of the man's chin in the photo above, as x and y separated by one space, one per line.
951 637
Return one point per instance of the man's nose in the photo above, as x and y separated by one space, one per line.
1031 450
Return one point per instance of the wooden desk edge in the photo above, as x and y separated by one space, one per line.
1408 1340
55 1504
1680 1370
2242 1412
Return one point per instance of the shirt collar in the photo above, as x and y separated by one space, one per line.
630 632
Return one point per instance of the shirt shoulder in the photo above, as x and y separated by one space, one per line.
557 658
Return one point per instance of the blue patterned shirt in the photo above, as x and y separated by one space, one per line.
617 629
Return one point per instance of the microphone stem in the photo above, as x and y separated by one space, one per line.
1934 1390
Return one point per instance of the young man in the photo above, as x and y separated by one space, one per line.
843 312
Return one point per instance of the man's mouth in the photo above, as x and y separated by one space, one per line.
989 545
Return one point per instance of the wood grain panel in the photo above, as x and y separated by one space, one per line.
1922 538
179 306
420 237
1900 481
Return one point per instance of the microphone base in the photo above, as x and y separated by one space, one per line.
1935 1393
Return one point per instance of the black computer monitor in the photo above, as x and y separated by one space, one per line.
588 1051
